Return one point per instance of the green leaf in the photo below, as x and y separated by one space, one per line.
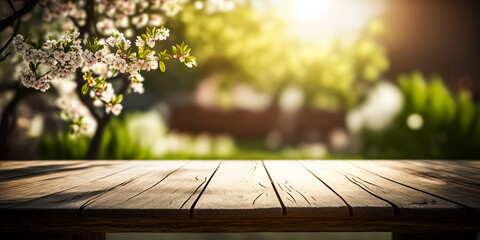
162 66
466 112
419 93
118 99
85 88
31 66
441 107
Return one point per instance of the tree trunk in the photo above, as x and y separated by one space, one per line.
7 120
95 144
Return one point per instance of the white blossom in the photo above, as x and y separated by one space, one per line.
151 42
191 63
115 109
137 87
162 34
139 42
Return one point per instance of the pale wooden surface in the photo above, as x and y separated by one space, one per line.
99 196
302 194
239 189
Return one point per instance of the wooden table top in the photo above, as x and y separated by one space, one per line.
240 196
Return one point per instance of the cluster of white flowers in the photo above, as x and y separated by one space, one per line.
107 97
119 60
106 58
118 39
113 15
28 78
121 8
103 93
89 58
76 115
159 35
122 62
58 58
55 9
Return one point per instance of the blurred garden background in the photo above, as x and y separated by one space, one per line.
276 79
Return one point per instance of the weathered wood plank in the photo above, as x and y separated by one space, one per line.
162 193
72 201
462 172
52 236
239 189
432 178
361 202
302 194
6 165
406 201
24 170
18 191
54 198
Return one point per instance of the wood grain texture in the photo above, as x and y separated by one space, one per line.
241 196
361 202
406 201
52 236
302 194
239 189
457 182
19 191
70 201
25 169
461 172
229 224
7 165
167 192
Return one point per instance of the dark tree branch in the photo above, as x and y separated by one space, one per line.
2 50
11 5
95 144
7 119
18 14
4 57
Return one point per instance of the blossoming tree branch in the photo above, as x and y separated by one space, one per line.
59 58
96 60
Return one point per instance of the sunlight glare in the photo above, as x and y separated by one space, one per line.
309 10
322 20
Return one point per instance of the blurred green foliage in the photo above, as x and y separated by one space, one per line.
434 123
138 136
144 135
259 48
117 143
